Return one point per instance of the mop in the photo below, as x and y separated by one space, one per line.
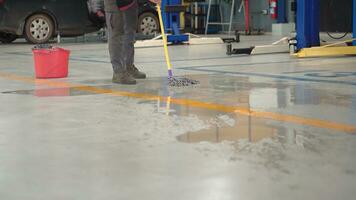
172 81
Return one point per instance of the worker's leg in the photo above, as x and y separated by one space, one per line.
130 24
130 17
116 40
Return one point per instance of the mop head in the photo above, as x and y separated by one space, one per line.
181 82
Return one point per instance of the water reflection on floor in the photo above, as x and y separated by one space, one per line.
226 128
279 96
52 92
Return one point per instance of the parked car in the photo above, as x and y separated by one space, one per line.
40 20
148 23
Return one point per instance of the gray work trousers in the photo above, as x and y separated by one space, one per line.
121 30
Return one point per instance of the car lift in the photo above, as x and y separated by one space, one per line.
280 46
308 39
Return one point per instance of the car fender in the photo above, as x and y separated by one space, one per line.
147 7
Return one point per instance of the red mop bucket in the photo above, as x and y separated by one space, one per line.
51 62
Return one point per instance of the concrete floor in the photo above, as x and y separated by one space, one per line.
257 127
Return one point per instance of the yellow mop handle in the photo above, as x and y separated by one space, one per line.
168 60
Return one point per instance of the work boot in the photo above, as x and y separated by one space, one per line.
123 78
136 73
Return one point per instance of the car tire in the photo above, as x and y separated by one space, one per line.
148 24
7 38
39 29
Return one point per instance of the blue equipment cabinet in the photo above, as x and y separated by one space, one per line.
171 10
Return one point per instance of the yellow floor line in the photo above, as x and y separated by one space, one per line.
193 103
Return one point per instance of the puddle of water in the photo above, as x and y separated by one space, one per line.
235 128
97 81
52 92
223 127
227 90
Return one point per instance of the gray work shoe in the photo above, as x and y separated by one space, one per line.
136 73
123 78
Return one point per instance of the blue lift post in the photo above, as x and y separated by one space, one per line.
308 20
171 10
163 12
282 14
354 21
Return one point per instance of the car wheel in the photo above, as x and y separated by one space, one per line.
39 29
7 37
148 24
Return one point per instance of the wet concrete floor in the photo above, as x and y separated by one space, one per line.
256 127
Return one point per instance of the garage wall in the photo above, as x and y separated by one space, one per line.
336 15
258 20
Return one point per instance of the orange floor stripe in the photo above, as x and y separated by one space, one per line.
193 103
